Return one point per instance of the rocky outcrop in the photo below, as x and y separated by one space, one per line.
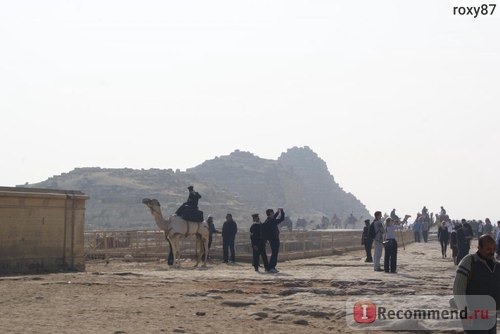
240 183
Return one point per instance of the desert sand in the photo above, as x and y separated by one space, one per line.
306 296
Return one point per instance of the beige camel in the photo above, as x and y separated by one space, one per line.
175 227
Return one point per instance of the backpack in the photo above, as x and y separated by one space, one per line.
371 231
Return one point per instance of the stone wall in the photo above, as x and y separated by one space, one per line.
41 230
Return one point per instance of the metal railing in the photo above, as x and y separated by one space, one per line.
148 244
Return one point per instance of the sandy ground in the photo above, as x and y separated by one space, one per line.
145 297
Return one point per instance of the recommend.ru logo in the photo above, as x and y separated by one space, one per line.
421 312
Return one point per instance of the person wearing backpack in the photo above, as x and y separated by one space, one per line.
479 274
378 239
367 241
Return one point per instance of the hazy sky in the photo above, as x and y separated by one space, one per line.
400 98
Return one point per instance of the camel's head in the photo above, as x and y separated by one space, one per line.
152 204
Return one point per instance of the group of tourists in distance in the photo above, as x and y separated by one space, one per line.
477 274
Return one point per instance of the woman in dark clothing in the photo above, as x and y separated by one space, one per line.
443 237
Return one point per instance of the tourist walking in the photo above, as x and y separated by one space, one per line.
229 230
258 243
378 240
443 237
272 234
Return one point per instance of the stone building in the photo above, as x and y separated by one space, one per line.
41 230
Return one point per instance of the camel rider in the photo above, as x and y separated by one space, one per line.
193 198
191 205
394 216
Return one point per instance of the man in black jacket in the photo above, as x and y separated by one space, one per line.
272 234
367 241
258 243
229 230
191 205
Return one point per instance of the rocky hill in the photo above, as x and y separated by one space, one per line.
240 183
298 181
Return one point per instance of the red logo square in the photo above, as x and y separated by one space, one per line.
364 312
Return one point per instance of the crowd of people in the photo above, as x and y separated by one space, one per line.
477 273
459 234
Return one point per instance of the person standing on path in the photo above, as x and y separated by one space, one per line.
367 241
258 243
211 231
391 245
417 226
378 240
272 234
229 230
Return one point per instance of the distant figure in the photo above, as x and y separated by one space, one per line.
443 237
417 227
336 221
229 230
479 274
464 235
425 211
189 209
425 229
351 220
442 213
211 230
488 228
258 243
480 229
454 244
377 240
391 245
394 216
367 241
272 234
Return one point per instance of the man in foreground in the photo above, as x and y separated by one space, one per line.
479 274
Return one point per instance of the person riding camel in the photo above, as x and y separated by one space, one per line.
394 216
190 206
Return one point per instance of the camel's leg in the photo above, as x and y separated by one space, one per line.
175 250
197 254
170 256
205 246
